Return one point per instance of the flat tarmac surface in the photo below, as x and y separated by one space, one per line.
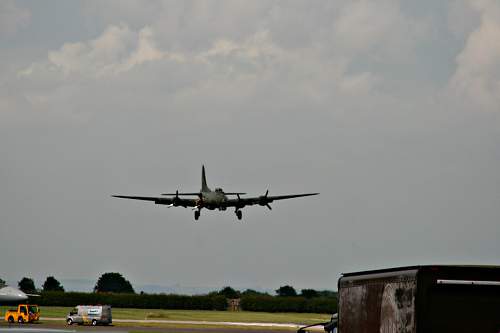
57 328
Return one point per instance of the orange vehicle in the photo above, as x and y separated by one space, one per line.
25 313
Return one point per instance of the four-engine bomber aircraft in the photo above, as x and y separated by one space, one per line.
216 199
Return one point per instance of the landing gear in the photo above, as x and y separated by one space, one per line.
196 215
239 214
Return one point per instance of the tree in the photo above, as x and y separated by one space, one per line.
229 293
27 285
286 291
251 292
2 283
51 284
114 283
327 293
309 293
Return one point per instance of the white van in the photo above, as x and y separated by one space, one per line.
90 314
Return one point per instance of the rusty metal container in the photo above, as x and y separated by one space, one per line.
421 299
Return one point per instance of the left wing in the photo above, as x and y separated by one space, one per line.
263 200
175 201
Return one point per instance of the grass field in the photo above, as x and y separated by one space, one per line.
193 315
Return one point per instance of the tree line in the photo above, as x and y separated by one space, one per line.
114 289
28 285
108 282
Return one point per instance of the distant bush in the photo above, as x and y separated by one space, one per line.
286 291
309 293
144 301
51 284
248 302
27 285
113 282
289 304
229 293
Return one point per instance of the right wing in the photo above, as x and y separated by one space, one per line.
263 200
162 200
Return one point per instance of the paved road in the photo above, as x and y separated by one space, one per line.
56 328
192 322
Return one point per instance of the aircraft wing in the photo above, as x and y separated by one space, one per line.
263 200
162 200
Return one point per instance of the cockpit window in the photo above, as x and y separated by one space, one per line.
218 190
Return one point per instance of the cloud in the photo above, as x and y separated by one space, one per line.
117 50
323 62
477 77
12 18
246 65
337 97
462 18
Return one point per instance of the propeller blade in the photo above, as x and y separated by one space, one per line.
270 208
267 192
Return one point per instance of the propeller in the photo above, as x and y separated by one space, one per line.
199 202
264 201
238 203
175 200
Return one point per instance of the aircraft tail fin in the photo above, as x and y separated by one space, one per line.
204 187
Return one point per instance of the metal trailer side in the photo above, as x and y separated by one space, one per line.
378 302
458 299
421 299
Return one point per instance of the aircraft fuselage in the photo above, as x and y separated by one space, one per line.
213 200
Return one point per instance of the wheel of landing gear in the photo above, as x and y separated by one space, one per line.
239 214
196 215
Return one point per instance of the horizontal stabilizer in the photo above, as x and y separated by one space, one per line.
187 193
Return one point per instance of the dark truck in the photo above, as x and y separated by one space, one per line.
419 299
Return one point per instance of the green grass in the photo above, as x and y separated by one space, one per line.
193 315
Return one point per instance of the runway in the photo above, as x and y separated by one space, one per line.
48 327
193 322
44 328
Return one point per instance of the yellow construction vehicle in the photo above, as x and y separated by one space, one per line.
25 313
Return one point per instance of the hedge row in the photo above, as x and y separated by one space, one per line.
289 304
180 302
146 301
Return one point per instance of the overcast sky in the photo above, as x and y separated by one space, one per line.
390 109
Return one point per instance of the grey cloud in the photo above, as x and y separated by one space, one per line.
290 96
477 77
12 18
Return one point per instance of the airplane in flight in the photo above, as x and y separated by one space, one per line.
216 199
